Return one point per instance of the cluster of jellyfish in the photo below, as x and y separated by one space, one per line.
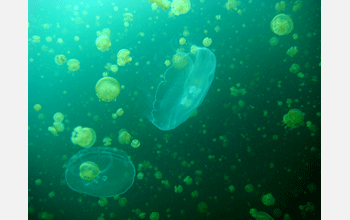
58 125
178 7
73 64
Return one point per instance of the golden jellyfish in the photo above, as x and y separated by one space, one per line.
294 118
167 63
294 68
135 143
260 215
182 41
180 6
185 33
107 89
108 66
76 38
292 51
164 4
107 141
120 112
58 117
88 171
73 65
123 57
103 43
60 59
273 41
126 24
124 137
297 6
52 130
154 6
280 6
128 17
59 126
281 24
107 32
37 107
202 207
180 60
48 39
207 41
232 4
36 39
84 137
114 68
60 41
217 29
194 49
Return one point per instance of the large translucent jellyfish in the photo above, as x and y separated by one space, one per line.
100 172
107 89
172 98
294 118
281 24
84 137
103 43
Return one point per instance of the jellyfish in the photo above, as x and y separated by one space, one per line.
52 130
59 126
171 99
232 4
124 137
273 41
123 57
281 24
84 137
73 65
114 68
294 118
107 141
260 215
135 143
182 41
60 59
36 39
180 6
103 43
207 41
107 89
37 107
164 4
294 68
292 51
107 32
268 199
280 6
128 17
58 117
100 172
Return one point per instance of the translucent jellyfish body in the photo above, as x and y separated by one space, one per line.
84 137
180 6
60 59
103 43
164 4
172 98
123 57
107 89
294 118
281 24
73 65
101 172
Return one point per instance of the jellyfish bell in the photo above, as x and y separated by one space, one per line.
60 59
84 137
103 43
107 89
180 6
73 65
88 171
281 24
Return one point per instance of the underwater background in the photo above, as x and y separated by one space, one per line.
236 149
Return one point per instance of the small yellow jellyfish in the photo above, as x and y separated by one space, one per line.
76 38
60 59
126 24
185 33
52 130
295 36
107 141
154 216
164 4
232 4
48 39
218 17
249 188
58 117
84 137
202 207
120 112
294 118
107 89
108 66
60 41
73 65
167 63
154 6
217 29
114 115
281 24
292 51
180 60
180 6
273 41
268 199
135 143
59 126
38 182
114 68
207 41
294 68
103 43
37 107
123 57
128 17
88 171
107 32
140 176
280 6
124 137
194 49
297 6
182 41
260 215
51 194
36 39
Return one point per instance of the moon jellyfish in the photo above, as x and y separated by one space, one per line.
100 172
176 91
